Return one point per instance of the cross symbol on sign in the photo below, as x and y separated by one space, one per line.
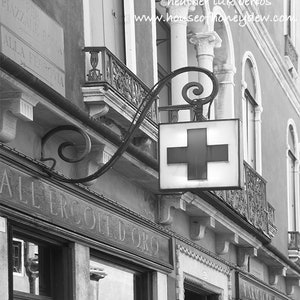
197 154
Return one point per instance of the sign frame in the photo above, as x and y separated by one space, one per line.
240 179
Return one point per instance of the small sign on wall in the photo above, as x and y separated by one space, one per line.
200 155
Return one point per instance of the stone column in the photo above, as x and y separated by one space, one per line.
224 102
3 260
204 45
81 256
177 18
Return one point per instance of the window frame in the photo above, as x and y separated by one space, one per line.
201 288
21 258
250 103
60 255
248 58
292 158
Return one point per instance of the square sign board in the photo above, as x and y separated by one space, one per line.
200 155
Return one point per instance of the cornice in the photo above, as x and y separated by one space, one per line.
265 43
202 259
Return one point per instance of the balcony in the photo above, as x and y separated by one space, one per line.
107 71
251 203
290 52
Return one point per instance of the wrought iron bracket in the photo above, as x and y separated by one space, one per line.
196 104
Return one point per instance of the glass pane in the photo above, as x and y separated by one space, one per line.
112 283
251 135
17 256
31 267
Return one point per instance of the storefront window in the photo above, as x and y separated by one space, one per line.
111 281
37 268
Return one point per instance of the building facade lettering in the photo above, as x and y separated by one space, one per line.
250 291
63 208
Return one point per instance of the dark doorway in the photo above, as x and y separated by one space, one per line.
194 292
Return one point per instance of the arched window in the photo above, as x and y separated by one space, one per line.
224 65
292 177
251 112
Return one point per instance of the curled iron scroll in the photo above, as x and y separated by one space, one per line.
138 118
63 146
198 89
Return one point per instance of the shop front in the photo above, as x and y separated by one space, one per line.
64 242
252 289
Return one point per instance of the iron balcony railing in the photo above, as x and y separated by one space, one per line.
251 203
294 240
291 52
108 71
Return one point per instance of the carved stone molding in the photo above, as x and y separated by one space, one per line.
198 226
105 104
243 254
14 106
202 259
223 242
94 97
168 204
95 159
8 126
206 272
274 273
291 282
205 42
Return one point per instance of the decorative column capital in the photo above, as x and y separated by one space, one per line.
205 42
178 10
96 274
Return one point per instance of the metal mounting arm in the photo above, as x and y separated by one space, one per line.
195 104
